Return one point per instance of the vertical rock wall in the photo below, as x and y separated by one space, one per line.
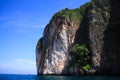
58 37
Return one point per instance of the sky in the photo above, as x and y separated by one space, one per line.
22 23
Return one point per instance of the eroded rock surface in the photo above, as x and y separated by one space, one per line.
96 25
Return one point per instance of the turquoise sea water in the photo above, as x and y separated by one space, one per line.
35 77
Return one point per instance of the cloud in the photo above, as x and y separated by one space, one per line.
19 66
18 13
3 18
24 62
22 22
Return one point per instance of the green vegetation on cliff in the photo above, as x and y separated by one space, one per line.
80 56
39 44
73 14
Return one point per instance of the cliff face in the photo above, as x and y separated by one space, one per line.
81 41
53 56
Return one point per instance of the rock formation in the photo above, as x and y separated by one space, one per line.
81 41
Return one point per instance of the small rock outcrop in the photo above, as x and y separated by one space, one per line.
81 41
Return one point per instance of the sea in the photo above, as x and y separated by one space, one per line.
35 77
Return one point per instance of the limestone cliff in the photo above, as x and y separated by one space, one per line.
84 40
53 53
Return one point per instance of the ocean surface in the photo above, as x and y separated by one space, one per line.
35 77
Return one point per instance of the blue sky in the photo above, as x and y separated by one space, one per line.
21 25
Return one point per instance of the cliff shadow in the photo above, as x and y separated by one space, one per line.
110 56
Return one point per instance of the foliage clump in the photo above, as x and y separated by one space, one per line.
86 67
73 14
80 56
39 44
